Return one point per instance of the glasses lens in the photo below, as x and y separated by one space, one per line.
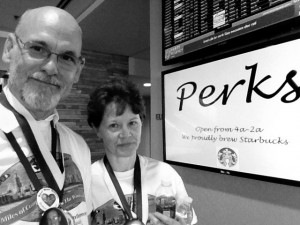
68 62
36 50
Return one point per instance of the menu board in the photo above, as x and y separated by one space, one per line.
190 25
238 115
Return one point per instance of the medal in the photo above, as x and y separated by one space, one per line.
57 216
47 198
133 222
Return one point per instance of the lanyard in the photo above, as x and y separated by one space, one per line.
137 187
26 129
55 149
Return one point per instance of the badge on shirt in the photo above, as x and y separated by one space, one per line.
47 198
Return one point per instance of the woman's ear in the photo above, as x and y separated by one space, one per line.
97 132
7 49
95 129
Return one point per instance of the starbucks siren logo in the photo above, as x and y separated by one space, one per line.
227 157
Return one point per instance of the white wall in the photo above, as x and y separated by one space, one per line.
219 199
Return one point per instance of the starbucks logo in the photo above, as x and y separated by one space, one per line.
227 157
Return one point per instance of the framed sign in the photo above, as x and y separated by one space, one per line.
238 115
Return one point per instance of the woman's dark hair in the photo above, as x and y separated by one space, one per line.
122 92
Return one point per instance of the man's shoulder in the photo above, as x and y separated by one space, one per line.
98 167
73 143
8 121
64 128
67 132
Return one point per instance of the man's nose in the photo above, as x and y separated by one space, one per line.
51 64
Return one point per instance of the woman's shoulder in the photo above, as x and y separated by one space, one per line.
151 163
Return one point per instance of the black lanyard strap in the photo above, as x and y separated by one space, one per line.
32 176
137 187
26 129
55 148
54 140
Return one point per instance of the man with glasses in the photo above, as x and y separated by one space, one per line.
51 161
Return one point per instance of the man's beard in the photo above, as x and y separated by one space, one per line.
38 99
41 97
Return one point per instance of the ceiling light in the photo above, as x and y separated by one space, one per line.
147 84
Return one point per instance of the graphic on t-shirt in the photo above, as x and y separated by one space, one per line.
73 187
15 186
112 213
18 195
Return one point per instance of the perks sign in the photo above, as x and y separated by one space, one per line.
237 114
209 90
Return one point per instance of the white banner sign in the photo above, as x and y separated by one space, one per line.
240 113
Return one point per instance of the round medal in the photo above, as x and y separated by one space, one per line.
47 198
133 222
56 216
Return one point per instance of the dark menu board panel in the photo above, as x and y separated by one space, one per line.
191 25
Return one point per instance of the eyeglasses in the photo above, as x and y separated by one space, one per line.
65 61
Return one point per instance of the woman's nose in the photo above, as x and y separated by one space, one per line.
125 132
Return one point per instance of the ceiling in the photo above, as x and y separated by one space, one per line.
109 26
118 27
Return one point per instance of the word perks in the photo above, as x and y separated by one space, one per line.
209 95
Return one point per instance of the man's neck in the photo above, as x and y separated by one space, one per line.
40 115
36 113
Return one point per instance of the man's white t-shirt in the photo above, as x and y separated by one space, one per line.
18 197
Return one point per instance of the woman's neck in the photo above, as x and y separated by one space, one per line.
121 164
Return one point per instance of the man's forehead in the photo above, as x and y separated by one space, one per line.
51 18
52 13
51 30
